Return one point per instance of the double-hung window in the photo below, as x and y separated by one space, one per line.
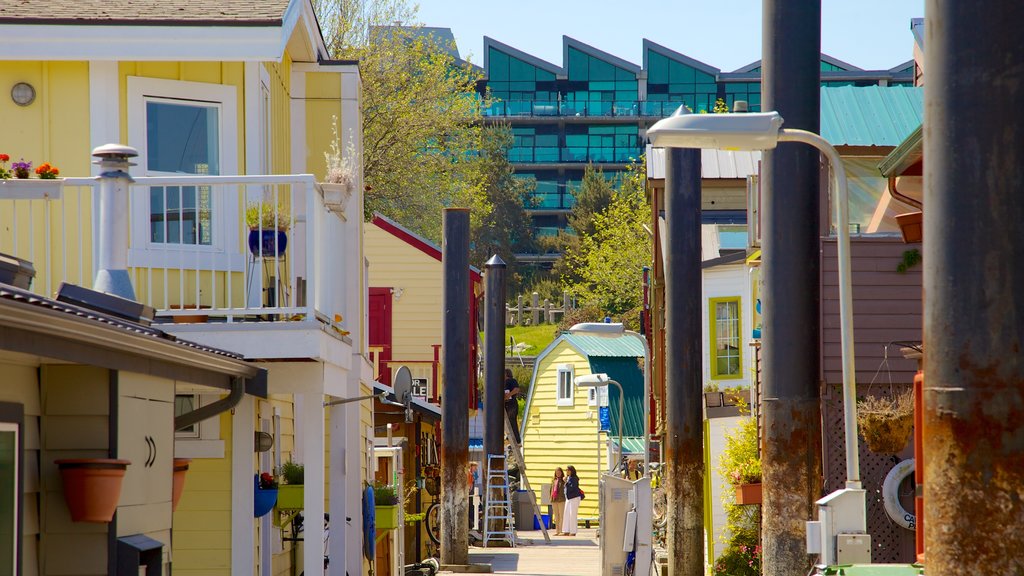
182 128
564 392
726 354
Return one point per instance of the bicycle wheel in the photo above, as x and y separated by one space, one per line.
434 522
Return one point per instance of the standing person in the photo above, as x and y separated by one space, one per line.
632 471
558 500
573 495
512 403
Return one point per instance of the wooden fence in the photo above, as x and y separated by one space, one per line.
536 312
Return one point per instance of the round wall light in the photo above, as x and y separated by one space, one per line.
23 94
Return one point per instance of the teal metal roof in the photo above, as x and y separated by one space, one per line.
633 444
605 346
870 115
627 372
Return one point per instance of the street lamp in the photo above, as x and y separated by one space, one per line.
763 131
602 381
611 330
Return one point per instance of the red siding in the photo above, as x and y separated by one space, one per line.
886 308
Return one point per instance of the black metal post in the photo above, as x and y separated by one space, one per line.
973 280
791 462
494 360
684 422
455 395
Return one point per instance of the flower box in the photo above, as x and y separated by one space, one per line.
911 226
386 517
31 189
712 399
92 487
748 493
263 501
336 196
291 497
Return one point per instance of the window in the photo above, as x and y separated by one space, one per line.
592 396
182 128
726 355
202 439
565 386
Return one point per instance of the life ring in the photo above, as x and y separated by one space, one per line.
891 495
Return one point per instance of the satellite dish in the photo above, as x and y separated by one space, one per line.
403 386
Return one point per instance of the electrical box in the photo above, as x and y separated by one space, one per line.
814 537
853 548
841 512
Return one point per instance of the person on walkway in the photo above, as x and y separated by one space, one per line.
632 471
512 403
558 500
573 495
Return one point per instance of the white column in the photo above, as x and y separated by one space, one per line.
339 485
313 459
243 544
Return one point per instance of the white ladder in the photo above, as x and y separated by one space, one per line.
524 482
498 525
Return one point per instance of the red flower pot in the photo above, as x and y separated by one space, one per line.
911 226
92 487
178 486
748 493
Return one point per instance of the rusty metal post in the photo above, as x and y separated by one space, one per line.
973 281
791 462
684 426
455 396
494 359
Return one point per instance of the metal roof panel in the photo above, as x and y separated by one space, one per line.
870 115
605 346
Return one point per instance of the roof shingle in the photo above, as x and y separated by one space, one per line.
145 12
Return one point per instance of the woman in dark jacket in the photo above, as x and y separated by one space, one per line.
573 495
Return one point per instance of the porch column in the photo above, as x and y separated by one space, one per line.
243 541
339 487
312 421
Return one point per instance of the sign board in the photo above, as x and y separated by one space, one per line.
419 387
604 418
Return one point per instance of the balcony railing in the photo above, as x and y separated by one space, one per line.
590 109
191 254
581 154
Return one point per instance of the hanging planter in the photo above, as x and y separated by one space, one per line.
885 423
748 493
178 481
92 487
386 517
264 498
911 226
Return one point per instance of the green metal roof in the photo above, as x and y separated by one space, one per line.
633 444
627 372
870 115
908 153
604 346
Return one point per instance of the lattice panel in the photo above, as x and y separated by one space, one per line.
890 543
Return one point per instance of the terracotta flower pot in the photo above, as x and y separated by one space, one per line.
911 226
748 493
178 485
92 487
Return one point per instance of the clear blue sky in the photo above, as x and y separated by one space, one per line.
871 34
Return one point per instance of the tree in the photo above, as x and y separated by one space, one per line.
421 112
593 196
607 267
504 228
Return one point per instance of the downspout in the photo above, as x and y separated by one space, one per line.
901 197
210 410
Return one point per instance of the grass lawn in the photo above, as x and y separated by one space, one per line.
538 337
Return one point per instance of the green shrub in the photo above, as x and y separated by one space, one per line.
384 494
293 473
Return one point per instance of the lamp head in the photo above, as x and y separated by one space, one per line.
757 131
591 380
598 329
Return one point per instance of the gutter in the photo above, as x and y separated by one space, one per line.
210 410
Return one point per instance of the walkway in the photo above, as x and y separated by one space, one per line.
565 556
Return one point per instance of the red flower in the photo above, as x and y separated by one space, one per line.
4 158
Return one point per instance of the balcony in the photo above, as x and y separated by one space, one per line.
581 109
191 254
573 154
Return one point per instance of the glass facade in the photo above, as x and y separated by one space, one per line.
673 81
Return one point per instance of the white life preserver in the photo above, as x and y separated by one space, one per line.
891 495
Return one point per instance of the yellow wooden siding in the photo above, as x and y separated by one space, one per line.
202 522
416 315
563 435
280 74
285 405
323 112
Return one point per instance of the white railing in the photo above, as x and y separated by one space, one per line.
191 255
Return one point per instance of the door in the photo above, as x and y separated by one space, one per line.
380 329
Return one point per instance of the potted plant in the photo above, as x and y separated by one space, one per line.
17 183
736 396
265 495
712 397
92 487
268 228
178 481
292 493
385 497
885 422
911 226
740 463
341 175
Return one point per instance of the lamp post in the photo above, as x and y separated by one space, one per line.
763 131
602 381
611 330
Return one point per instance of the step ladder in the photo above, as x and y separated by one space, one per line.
498 525
524 482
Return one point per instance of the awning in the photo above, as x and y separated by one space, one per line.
632 444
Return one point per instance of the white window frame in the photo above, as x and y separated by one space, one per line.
208 443
592 396
224 253
564 371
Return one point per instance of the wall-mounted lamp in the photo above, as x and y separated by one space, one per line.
397 292
23 94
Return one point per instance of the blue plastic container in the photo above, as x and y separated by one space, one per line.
547 521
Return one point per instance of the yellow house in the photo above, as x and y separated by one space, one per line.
229 105
561 425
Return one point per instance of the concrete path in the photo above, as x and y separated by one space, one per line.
565 556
